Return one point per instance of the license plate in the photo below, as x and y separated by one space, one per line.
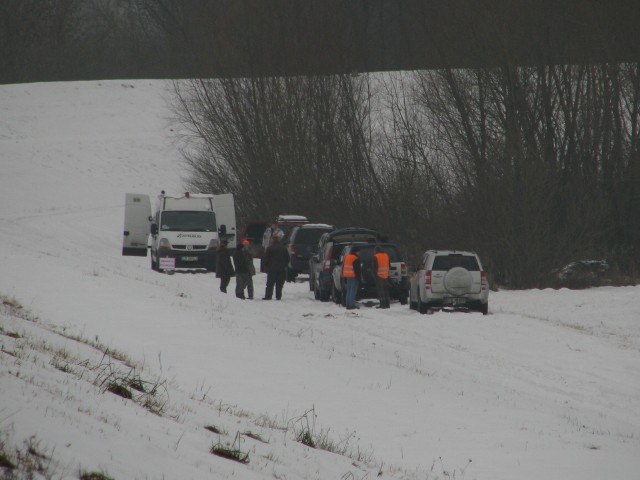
189 259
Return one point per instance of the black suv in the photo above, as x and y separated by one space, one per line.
301 243
326 254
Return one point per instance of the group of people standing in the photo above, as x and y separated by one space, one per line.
352 272
274 263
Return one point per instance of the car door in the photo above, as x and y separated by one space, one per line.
137 215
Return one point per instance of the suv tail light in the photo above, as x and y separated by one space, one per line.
326 266
427 280
483 280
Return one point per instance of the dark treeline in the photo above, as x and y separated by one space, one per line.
513 131
43 40
533 167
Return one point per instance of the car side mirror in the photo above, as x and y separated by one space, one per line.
154 229
222 230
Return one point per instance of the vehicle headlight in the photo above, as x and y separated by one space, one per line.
164 244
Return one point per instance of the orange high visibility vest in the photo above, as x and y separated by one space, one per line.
347 266
383 264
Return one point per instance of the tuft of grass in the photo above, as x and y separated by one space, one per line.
254 436
9 334
94 476
5 462
150 395
304 428
214 429
27 462
11 303
232 453
306 438
120 390
137 384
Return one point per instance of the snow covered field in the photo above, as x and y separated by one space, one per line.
545 387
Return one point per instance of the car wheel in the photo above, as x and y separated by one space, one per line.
484 308
412 305
404 297
422 307
323 295
335 294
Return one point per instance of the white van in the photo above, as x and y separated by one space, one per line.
185 230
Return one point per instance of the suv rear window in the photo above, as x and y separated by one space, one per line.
447 262
308 236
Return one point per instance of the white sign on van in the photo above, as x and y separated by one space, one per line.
167 263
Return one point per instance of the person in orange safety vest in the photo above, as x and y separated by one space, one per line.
351 272
381 265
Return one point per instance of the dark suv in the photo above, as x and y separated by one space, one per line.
300 245
398 281
327 252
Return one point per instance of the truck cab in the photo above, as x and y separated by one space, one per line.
184 232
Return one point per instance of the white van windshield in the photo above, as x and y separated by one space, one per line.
188 221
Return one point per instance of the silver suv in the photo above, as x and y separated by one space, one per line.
449 278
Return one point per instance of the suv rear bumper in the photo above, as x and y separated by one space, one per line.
397 289
453 301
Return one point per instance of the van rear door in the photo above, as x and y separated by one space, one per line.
137 220
225 209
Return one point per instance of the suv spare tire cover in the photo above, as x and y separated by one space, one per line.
458 281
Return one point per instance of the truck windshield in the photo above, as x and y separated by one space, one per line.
184 221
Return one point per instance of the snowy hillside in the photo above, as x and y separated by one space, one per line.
545 387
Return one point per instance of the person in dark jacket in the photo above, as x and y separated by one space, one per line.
276 259
224 267
243 262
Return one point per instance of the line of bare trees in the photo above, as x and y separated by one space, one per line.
533 167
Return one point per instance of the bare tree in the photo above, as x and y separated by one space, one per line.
281 144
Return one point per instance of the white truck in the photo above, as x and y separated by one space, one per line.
185 230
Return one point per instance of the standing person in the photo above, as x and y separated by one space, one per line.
381 264
224 267
243 273
252 268
269 233
276 259
351 270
